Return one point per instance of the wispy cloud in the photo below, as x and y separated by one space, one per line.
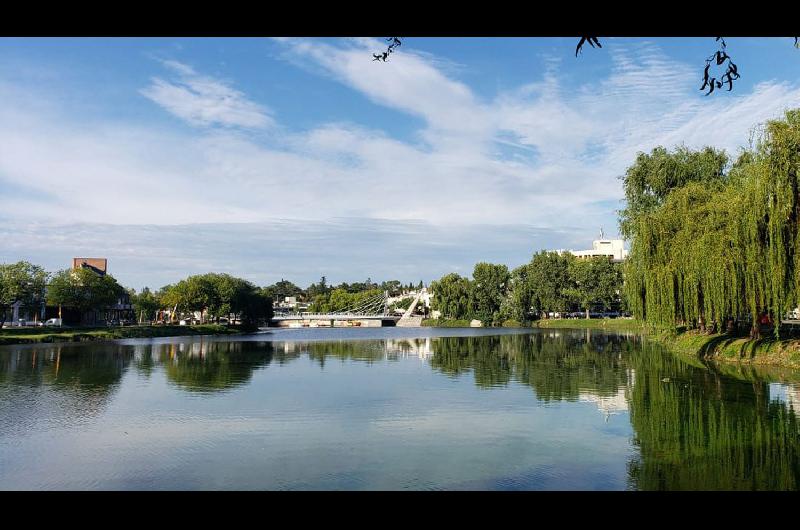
342 249
203 100
544 154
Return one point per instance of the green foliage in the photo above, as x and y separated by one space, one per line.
719 246
596 282
84 290
653 176
21 282
403 304
340 300
219 295
280 290
145 304
452 296
549 281
489 284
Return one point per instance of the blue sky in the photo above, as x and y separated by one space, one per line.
294 158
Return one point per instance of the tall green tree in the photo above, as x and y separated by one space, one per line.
145 304
84 290
518 304
452 296
219 295
550 282
723 249
280 290
596 282
21 282
654 175
489 284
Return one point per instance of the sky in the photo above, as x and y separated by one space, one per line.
294 158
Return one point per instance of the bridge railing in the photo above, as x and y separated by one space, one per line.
330 315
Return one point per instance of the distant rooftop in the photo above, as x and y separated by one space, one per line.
99 265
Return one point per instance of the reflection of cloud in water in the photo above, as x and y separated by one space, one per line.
371 350
613 404
785 393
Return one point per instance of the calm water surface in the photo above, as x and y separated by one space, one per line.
391 408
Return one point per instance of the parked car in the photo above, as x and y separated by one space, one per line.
53 322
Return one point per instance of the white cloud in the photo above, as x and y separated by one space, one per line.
543 155
205 101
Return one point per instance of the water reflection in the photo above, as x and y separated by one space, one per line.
692 425
701 429
207 366
556 365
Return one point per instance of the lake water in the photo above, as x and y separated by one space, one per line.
391 408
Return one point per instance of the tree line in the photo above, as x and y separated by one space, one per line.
212 295
324 298
714 243
550 282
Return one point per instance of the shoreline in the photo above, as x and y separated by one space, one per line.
719 347
722 348
12 336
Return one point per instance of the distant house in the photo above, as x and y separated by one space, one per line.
121 310
98 265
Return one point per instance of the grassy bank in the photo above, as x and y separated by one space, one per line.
445 323
39 335
721 347
453 323
614 324
717 347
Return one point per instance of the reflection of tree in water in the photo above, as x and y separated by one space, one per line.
700 429
696 426
51 383
210 366
369 351
66 367
557 365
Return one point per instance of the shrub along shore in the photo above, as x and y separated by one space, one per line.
48 335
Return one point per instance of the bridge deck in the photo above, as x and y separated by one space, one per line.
334 316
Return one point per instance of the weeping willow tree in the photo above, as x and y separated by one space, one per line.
708 247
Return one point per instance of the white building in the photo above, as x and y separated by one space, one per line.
612 248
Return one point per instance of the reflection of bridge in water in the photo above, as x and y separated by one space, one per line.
370 312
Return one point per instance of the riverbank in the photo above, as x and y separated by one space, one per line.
49 335
453 323
445 323
615 324
718 347
766 351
